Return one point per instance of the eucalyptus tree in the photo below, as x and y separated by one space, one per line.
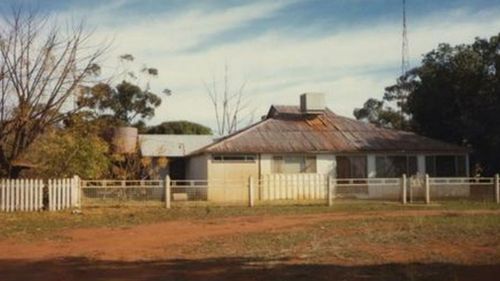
453 95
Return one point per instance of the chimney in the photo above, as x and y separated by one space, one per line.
312 103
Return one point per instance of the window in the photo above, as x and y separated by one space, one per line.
351 167
395 166
445 165
430 165
293 164
234 158
461 166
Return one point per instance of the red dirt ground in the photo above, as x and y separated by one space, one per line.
148 252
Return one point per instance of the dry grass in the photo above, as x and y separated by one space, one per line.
376 241
442 239
46 224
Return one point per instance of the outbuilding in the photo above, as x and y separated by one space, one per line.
164 155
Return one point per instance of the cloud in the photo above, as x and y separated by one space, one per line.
350 65
164 33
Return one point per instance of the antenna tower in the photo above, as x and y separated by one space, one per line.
405 52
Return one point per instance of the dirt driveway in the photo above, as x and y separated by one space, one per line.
151 252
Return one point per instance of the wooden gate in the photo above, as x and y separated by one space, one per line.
64 193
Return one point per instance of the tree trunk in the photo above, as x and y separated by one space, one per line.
14 172
4 163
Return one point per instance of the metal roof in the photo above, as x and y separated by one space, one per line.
172 145
287 130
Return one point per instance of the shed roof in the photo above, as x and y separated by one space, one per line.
172 145
287 130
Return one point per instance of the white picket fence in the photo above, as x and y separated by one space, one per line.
21 195
317 187
293 187
60 194
64 193
27 195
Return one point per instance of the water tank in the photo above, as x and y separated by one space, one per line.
124 140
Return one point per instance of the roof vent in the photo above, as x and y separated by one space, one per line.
312 103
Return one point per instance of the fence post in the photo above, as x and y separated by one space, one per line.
75 187
331 190
427 190
497 188
167 192
2 195
50 192
250 192
403 189
79 195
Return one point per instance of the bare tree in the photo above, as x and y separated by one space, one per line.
229 105
42 67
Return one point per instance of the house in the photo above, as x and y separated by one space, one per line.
165 154
310 138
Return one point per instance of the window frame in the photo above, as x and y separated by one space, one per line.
407 169
352 165
279 161
459 165
234 158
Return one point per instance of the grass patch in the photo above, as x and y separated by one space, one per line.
43 225
368 241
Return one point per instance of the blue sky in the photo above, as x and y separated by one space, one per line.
349 49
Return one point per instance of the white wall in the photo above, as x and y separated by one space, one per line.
326 164
421 164
232 170
265 164
371 165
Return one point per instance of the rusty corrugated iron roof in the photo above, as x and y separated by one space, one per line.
287 130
